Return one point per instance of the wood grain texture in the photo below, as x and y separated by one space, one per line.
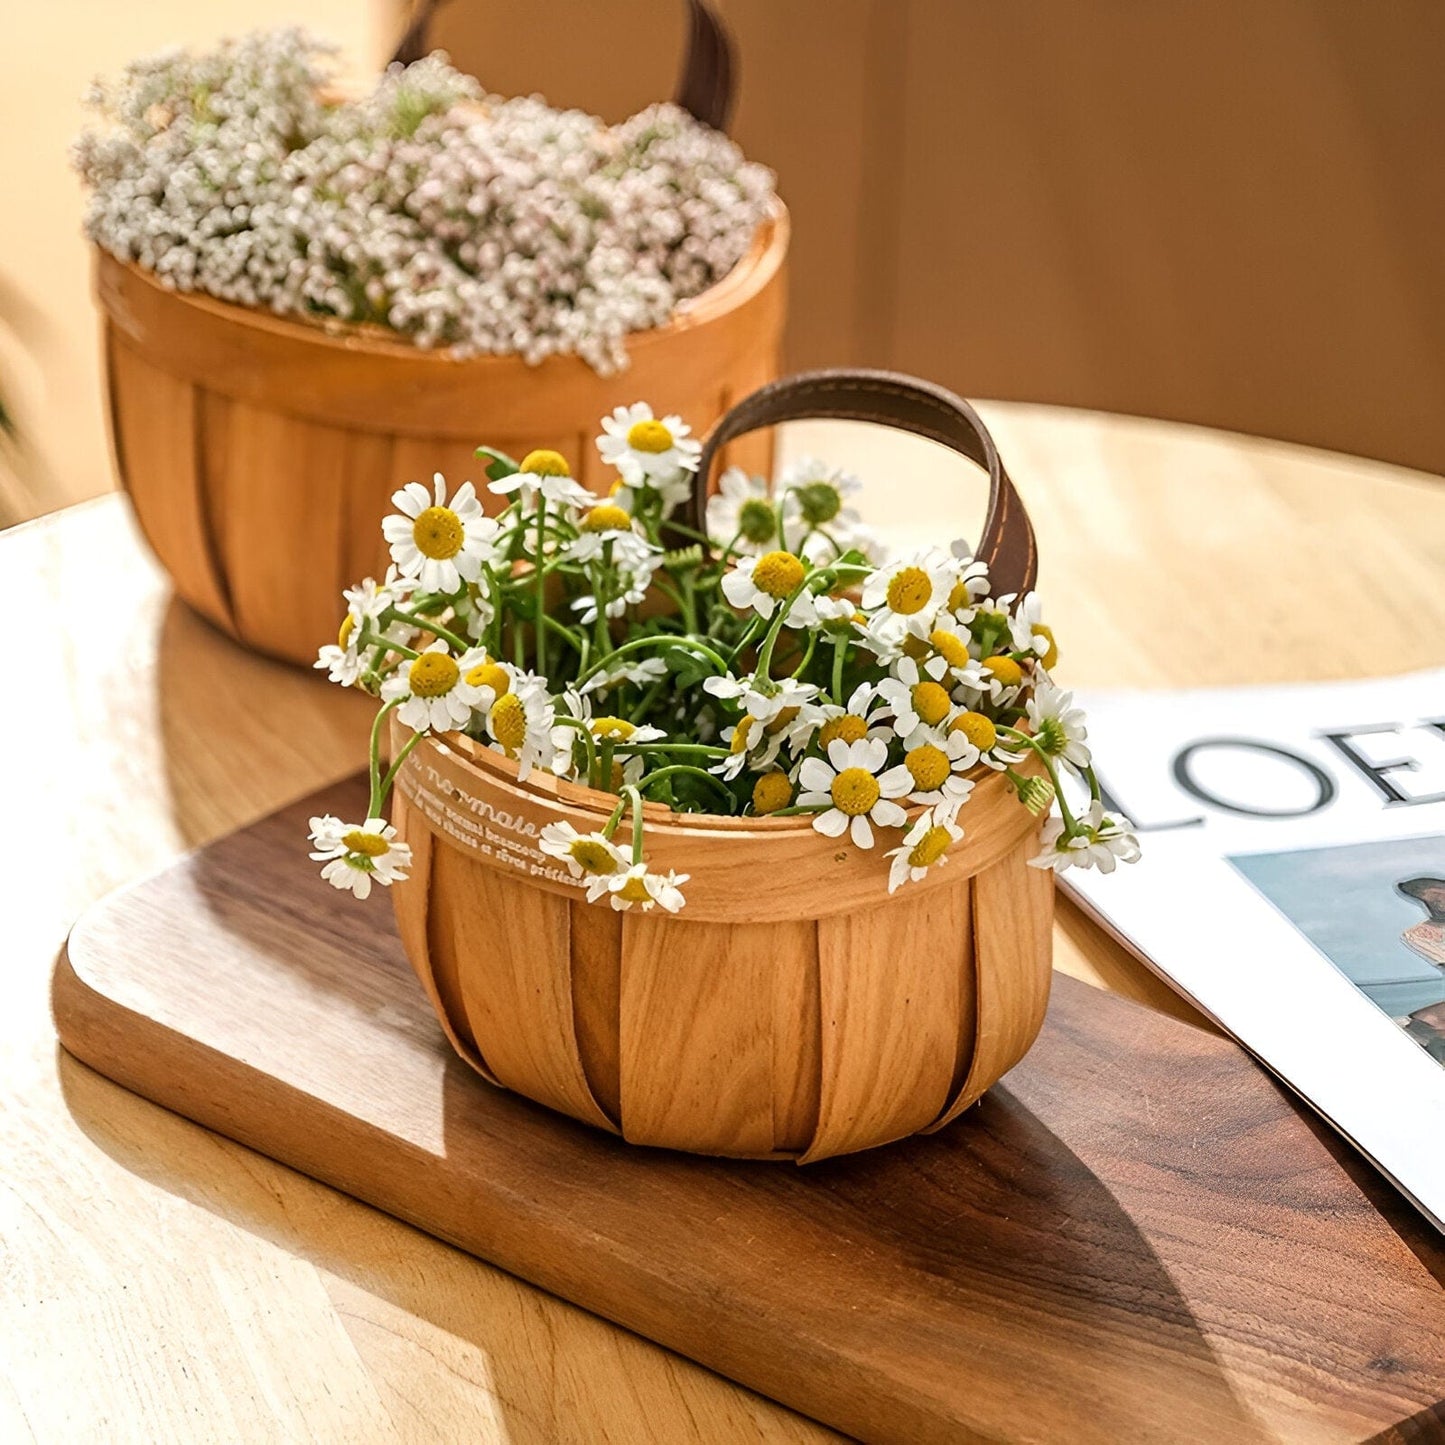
793 997
1137 1234
261 453
158 1274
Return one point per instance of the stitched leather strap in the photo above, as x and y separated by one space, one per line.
705 88
888 397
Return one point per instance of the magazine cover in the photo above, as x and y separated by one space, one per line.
1293 887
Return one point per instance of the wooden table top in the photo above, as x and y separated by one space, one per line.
160 1282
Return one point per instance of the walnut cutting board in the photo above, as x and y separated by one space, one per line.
1137 1236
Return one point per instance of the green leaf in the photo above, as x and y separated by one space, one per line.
501 464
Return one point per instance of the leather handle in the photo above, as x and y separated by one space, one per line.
892 399
706 88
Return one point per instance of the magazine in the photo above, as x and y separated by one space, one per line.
1293 888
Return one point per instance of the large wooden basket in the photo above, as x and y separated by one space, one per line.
793 1009
261 453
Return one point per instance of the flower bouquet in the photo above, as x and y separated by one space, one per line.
309 290
738 712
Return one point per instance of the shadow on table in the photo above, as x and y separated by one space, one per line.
243 734
982 1271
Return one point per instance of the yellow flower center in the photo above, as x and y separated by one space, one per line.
607 518
740 733
771 792
929 848
854 791
433 674
929 767
1048 658
492 675
1005 669
509 722
612 727
544 463
438 533
915 647
635 890
757 521
369 845
648 436
850 727
594 857
930 702
959 597
348 626
778 574
978 729
909 590
950 647
784 719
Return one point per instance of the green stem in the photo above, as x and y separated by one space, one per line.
589 742
839 645
378 797
610 826
669 639
383 644
700 750
677 769
797 808
427 625
537 564
765 654
807 653
395 767
636 798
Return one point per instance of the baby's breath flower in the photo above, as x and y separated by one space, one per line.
486 225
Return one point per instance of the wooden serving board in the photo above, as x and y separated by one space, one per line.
1137 1236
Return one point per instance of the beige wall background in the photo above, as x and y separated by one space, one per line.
1227 212
49 356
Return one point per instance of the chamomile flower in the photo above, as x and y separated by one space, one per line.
741 513
1058 726
365 604
982 733
849 784
816 516
763 582
441 545
543 474
761 698
914 589
925 845
641 672
971 585
520 724
587 855
433 690
629 588
933 766
855 720
639 887
358 854
1003 678
1030 633
625 547
646 449
1103 842
917 695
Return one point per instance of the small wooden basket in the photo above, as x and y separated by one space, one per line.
260 453
793 1009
